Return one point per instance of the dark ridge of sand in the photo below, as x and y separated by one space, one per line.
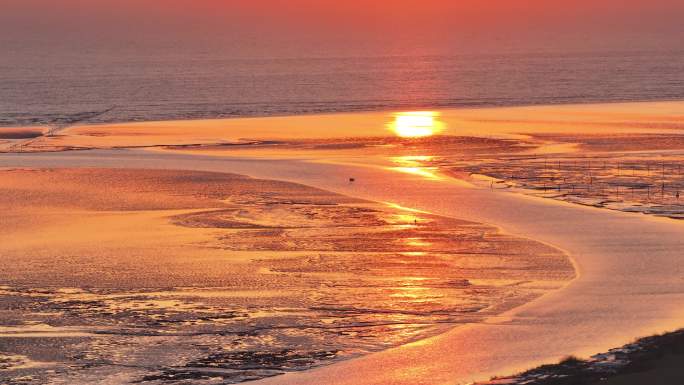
180 277
365 146
655 360
20 133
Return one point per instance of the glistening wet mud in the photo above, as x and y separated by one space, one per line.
174 277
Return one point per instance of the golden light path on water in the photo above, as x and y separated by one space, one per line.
415 165
414 125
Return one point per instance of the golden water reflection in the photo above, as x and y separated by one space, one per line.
416 124
412 160
416 242
402 208
415 165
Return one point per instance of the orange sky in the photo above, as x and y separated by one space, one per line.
492 24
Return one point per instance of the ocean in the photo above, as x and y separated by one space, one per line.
98 86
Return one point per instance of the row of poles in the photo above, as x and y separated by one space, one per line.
650 191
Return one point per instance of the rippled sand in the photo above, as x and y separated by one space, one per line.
259 278
191 277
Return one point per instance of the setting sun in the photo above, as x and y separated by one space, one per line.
417 124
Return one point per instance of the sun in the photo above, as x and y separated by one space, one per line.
416 124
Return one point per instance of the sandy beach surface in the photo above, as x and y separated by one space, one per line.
629 267
166 276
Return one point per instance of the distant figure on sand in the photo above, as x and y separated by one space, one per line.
352 180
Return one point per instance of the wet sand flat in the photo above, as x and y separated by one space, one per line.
629 283
626 157
510 122
166 277
622 156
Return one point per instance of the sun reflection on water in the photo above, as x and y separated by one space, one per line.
428 173
416 242
416 124
400 207
414 253
415 165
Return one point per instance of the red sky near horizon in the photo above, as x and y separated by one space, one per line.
428 22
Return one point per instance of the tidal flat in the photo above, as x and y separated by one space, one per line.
296 283
176 277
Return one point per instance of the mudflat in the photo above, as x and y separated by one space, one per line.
163 276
